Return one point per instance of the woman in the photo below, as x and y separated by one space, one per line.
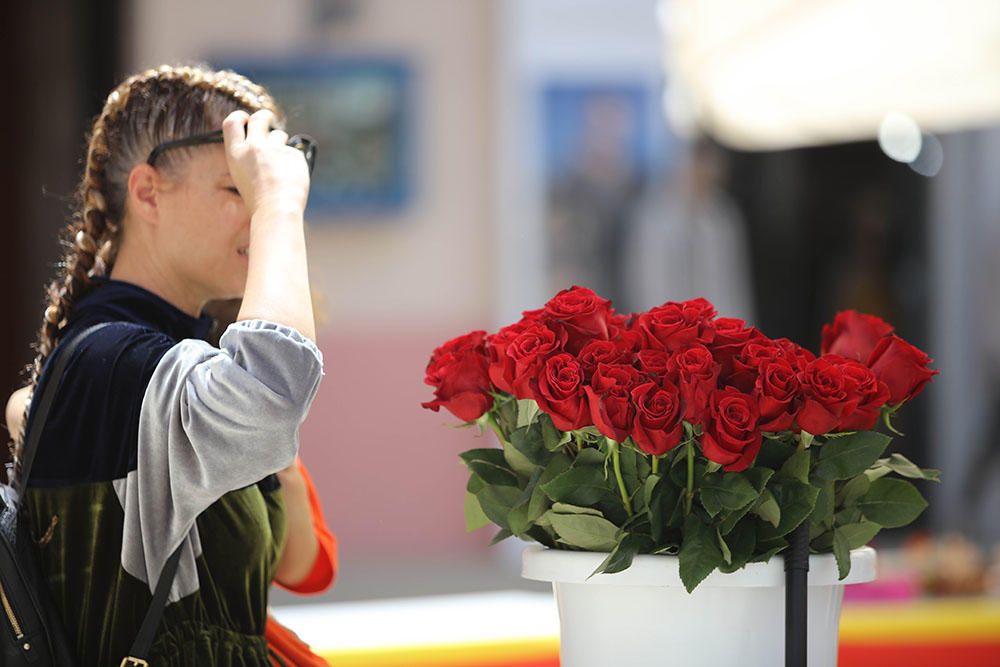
157 438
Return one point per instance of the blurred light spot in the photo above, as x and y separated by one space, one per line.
900 137
931 157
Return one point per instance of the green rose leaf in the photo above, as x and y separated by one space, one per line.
877 471
842 552
489 463
517 461
907 468
767 508
727 555
726 491
853 490
474 516
552 437
700 553
501 535
892 503
774 452
621 558
758 477
585 531
796 501
497 502
475 483
741 540
527 412
506 413
766 549
529 442
563 508
580 485
823 511
517 520
846 457
857 535
797 466
540 502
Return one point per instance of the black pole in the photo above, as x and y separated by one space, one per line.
796 596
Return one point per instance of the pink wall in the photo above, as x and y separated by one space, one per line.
388 470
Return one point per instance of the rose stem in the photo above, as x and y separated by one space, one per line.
616 463
491 420
690 485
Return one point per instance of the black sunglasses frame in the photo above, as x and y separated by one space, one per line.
303 142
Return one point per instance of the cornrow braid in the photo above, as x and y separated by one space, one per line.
146 109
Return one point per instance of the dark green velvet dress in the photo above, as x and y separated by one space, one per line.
157 440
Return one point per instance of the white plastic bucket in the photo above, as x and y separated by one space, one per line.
643 617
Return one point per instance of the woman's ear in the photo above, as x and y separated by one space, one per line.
144 186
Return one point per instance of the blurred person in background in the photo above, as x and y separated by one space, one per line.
590 205
688 240
159 441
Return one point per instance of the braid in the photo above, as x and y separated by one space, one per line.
146 109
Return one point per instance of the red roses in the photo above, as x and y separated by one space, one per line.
639 379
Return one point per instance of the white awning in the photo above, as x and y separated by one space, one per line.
771 74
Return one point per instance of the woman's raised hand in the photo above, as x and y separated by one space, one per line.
267 172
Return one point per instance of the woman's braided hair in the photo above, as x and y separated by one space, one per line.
146 109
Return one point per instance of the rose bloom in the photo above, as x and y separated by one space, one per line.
873 395
459 372
580 314
533 344
698 377
673 326
903 368
853 335
609 399
598 352
732 438
657 427
654 363
777 393
831 393
501 365
731 335
557 387
745 365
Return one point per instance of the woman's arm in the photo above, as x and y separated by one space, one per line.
301 546
15 411
323 568
273 180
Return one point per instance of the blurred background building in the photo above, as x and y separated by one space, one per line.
784 159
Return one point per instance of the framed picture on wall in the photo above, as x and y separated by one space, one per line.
359 110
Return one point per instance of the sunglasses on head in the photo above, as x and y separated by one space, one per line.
302 142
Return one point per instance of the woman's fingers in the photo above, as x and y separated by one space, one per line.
279 137
259 124
233 128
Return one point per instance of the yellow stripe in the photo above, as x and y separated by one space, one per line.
482 654
922 621
962 620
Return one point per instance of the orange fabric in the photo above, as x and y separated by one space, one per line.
286 646
325 568
282 642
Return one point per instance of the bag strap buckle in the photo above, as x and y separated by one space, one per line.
129 661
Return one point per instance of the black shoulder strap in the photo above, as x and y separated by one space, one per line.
40 412
144 640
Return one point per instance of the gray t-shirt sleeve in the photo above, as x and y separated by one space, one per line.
212 420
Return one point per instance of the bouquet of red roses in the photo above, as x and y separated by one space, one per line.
675 431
